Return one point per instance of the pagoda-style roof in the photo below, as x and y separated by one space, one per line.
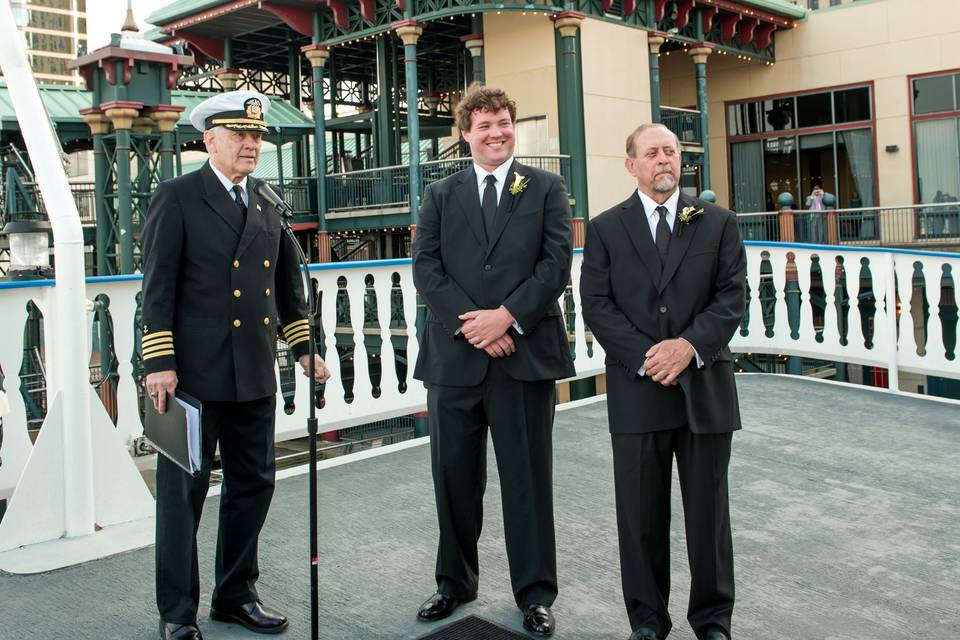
64 102
270 28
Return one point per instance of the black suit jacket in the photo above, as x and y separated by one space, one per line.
631 303
524 266
204 273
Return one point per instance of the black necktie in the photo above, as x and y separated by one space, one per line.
238 198
489 204
663 234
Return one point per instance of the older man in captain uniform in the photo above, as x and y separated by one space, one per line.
218 272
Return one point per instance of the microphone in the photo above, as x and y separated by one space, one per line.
268 193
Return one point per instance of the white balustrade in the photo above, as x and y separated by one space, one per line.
396 396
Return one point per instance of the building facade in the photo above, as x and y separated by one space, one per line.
861 101
54 32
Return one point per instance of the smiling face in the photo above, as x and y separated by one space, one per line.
233 153
655 162
491 137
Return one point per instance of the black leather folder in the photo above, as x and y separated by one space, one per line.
176 432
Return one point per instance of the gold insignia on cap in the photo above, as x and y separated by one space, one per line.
253 108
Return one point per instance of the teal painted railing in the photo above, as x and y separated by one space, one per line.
389 187
906 225
369 189
683 122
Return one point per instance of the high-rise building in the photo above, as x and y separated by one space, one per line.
53 31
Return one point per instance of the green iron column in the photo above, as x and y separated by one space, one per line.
318 55
227 75
383 117
336 148
293 74
166 116
655 40
122 114
143 178
99 126
700 52
409 32
474 45
570 103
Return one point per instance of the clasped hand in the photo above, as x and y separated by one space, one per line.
666 359
487 329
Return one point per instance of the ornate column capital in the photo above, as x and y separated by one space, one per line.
317 54
568 23
166 116
143 124
408 30
228 77
701 51
121 113
655 40
99 123
473 43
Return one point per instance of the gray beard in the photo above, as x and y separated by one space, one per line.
664 185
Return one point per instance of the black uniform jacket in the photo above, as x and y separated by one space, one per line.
214 287
524 266
631 303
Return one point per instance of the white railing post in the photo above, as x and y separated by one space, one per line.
890 273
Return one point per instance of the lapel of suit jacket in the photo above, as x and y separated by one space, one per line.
507 204
255 214
218 199
679 243
469 197
634 219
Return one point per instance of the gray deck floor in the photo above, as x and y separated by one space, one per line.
845 507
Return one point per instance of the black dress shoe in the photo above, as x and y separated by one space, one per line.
539 619
177 631
252 615
644 633
715 633
439 606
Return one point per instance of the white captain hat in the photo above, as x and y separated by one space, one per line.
236 110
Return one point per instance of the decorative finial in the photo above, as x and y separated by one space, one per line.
129 23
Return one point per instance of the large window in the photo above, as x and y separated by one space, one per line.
791 144
532 139
936 136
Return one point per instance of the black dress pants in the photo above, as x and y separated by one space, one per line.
520 417
245 431
643 466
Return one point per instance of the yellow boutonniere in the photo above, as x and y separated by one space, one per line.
688 215
519 184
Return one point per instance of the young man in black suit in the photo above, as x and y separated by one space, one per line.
663 290
491 256
217 273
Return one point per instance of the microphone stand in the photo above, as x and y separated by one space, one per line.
286 214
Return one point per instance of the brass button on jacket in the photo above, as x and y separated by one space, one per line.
236 323
266 264
236 293
236 264
266 321
266 292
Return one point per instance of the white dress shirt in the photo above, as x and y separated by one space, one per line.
650 208
500 173
228 185
653 218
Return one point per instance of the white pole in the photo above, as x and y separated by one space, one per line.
893 374
69 318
